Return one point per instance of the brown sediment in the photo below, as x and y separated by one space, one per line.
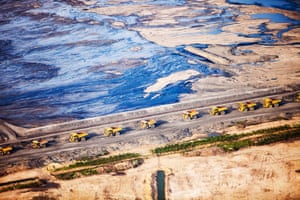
254 65
271 171
218 59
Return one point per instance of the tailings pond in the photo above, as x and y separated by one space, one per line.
60 62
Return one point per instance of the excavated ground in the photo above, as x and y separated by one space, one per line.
267 172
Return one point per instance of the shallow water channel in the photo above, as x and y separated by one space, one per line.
160 184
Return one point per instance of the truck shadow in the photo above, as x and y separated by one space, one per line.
125 130
160 122
91 135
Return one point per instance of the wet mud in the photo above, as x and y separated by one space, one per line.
62 60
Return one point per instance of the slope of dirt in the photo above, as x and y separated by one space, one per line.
9 131
266 172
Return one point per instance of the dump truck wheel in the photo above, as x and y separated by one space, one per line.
109 133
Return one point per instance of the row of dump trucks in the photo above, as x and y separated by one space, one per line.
146 124
242 107
247 106
35 144
82 136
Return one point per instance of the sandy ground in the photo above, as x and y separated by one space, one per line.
173 78
266 172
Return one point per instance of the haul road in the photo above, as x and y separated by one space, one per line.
168 121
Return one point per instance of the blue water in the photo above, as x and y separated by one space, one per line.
282 4
274 17
59 62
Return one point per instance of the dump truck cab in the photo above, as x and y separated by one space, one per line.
5 150
77 137
36 144
112 131
191 114
145 124
244 107
217 110
269 103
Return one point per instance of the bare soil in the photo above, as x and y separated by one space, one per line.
265 172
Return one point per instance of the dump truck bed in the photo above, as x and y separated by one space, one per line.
81 134
5 150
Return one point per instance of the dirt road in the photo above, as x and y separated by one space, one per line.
171 127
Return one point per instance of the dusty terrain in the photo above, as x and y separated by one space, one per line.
267 172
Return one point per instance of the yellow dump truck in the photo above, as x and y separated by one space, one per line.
217 110
112 131
36 144
191 114
148 124
5 150
77 137
269 103
244 107
298 98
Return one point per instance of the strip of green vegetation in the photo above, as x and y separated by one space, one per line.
31 184
67 176
88 172
101 161
77 174
92 171
229 142
234 146
18 181
264 140
289 134
191 144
